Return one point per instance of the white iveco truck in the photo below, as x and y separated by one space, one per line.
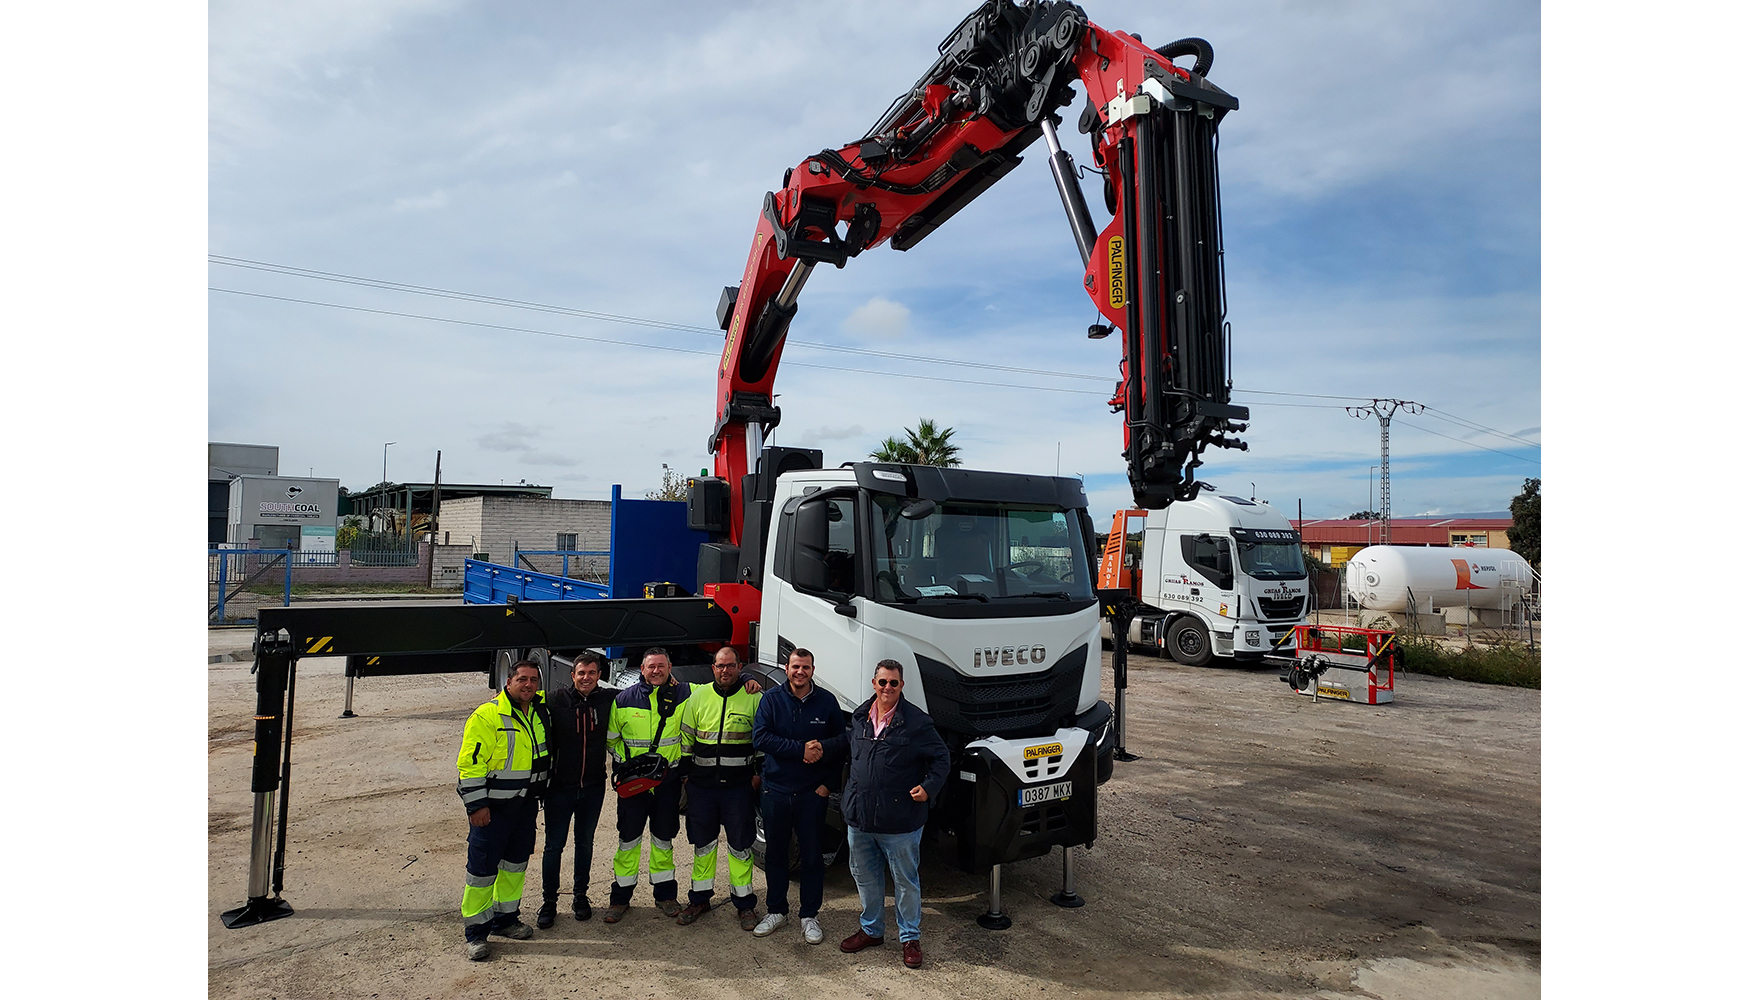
1222 576
981 585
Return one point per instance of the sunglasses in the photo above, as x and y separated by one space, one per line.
884 682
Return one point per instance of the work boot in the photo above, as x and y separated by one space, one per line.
478 950
516 930
545 916
580 908
616 912
692 912
669 907
749 919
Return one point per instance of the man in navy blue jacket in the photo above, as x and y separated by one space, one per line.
801 730
899 765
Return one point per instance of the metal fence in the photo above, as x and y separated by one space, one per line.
374 548
232 571
573 563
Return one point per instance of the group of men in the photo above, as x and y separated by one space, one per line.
734 749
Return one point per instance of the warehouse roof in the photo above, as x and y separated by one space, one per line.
1404 530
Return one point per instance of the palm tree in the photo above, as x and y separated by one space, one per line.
896 451
927 445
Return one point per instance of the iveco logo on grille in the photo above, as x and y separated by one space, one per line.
1008 656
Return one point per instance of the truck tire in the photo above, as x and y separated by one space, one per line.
1188 642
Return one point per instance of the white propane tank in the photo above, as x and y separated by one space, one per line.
1380 577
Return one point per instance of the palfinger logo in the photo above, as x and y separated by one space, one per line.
1115 292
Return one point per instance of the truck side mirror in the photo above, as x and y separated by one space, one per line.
808 566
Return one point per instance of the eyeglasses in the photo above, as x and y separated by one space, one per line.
884 682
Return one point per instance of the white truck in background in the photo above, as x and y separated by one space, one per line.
1221 575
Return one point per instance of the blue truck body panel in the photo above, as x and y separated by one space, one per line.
648 542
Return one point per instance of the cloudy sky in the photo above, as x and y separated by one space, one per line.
378 170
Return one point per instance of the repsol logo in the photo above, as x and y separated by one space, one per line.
1007 656
1115 272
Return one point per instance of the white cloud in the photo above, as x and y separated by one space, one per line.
878 317
422 203
510 156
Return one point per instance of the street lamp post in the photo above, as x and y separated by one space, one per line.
386 445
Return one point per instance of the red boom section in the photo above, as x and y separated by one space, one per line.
1154 271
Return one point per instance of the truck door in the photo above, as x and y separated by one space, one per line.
821 566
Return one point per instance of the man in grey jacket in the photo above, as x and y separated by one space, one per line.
899 765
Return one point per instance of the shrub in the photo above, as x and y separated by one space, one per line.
1508 663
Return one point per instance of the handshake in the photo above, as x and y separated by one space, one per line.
812 751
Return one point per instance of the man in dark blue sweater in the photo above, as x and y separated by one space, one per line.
801 730
899 765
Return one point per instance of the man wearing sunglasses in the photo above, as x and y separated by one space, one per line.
899 765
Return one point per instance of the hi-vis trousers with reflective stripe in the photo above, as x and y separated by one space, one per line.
661 809
498 859
731 809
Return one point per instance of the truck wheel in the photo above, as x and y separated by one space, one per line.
1188 642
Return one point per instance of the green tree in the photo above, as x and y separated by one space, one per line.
1364 515
1526 534
350 528
895 450
925 445
674 486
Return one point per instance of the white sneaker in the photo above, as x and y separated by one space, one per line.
772 922
811 931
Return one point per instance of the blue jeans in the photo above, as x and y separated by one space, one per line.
563 806
800 814
873 855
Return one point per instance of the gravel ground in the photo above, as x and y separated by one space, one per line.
1264 846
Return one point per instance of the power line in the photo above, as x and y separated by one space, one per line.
651 347
715 334
641 321
353 279
1473 444
1473 425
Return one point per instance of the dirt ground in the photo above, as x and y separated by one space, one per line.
1264 846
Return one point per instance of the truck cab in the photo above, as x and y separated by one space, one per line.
981 585
1222 575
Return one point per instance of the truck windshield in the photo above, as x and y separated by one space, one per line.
1271 560
979 551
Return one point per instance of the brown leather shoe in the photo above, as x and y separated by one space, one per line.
615 913
858 941
692 912
912 953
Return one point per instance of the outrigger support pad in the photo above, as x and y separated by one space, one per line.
273 661
1066 897
995 919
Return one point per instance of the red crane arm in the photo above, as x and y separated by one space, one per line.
1154 271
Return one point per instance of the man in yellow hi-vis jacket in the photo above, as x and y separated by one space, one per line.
717 737
501 773
643 719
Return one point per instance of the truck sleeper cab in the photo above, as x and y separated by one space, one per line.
1224 577
980 585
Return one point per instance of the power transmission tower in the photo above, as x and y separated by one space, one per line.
1383 409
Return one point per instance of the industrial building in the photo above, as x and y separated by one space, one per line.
226 462
1332 541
